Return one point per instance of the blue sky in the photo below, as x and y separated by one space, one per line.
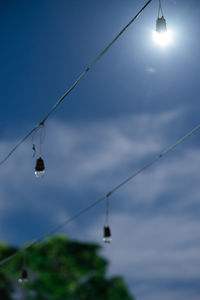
136 101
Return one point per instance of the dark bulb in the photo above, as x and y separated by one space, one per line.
107 235
39 168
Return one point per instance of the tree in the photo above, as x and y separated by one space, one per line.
61 269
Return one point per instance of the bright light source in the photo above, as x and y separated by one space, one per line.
161 35
162 38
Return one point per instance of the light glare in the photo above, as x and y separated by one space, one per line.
39 174
162 38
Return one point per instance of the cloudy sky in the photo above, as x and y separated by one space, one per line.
137 100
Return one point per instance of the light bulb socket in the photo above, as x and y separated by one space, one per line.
24 275
39 166
107 232
161 25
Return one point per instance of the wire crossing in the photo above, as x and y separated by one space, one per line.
53 108
108 194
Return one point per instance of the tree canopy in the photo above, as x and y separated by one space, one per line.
59 269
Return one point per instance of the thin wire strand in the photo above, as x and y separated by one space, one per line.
52 231
107 211
41 128
170 148
95 61
117 187
41 137
76 82
18 144
33 141
160 10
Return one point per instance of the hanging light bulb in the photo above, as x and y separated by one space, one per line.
107 238
161 35
24 277
39 168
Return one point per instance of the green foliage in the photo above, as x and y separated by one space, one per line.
61 269
6 287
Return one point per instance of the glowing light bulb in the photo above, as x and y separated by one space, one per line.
24 277
162 38
107 235
39 168
161 35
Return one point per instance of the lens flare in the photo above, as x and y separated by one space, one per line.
162 38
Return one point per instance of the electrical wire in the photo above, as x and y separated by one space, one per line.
52 231
75 83
18 144
107 211
117 187
160 10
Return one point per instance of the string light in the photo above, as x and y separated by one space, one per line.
24 273
161 35
39 166
107 238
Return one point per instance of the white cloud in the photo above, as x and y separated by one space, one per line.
150 70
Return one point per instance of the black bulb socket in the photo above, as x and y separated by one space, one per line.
24 275
161 25
107 232
39 166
